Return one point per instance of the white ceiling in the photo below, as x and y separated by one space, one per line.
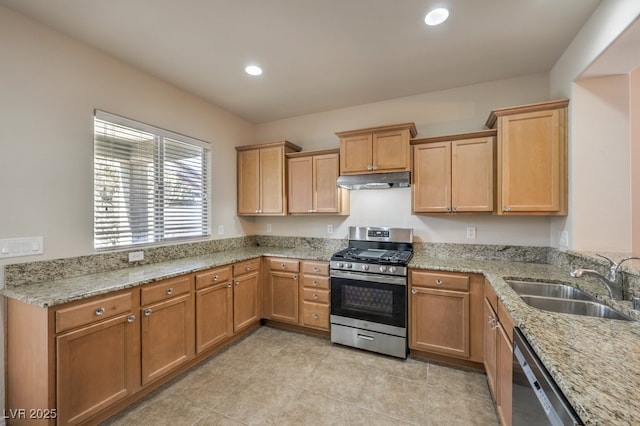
318 55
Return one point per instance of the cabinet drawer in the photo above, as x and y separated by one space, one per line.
246 267
441 281
315 268
318 296
315 315
165 289
289 265
316 282
96 310
213 276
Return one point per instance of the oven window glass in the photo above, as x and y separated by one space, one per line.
366 299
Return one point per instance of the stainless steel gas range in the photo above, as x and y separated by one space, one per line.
369 290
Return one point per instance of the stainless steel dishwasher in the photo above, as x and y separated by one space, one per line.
537 400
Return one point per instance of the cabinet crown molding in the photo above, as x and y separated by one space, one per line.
456 137
284 143
391 127
541 106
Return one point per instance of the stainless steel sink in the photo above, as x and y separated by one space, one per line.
564 299
549 290
572 306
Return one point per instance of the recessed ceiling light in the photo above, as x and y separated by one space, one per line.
253 70
436 16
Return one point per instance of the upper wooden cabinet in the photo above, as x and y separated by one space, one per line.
312 183
376 149
262 178
531 158
454 173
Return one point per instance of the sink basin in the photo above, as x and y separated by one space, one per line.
572 306
549 290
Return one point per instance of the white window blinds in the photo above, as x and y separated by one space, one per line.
150 185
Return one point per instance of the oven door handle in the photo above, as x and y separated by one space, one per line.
358 276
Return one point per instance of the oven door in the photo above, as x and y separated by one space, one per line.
373 298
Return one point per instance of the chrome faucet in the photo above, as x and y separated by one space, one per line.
614 286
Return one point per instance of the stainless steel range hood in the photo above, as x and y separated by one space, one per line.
376 181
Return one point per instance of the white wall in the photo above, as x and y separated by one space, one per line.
462 109
634 112
599 187
50 85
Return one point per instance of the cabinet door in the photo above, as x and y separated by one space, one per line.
326 196
439 321
272 181
167 336
214 315
504 376
531 154
248 182
245 301
472 175
391 151
490 342
301 185
284 296
432 177
97 366
356 155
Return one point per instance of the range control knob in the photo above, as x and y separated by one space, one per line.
383 269
349 265
393 269
340 264
365 267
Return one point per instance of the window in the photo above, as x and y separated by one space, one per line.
150 185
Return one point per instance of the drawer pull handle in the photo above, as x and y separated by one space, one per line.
215 278
100 311
315 316
414 291
365 337
315 297
131 318
147 312
170 291
438 281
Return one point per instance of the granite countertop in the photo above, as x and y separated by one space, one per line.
594 361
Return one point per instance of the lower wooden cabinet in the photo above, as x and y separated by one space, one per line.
315 295
214 307
246 294
498 359
97 366
445 311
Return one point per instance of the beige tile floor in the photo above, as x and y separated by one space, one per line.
276 377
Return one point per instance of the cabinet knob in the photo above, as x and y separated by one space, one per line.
315 297
455 209
315 269
438 281
369 167
100 311
506 208
131 318
170 291
229 284
448 209
247 268
295 277
215 278
283 266
315 316
147 312
414 291
315 283
237 282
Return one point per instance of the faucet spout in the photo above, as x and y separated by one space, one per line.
615 293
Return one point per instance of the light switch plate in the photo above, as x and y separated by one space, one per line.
471 232
16 247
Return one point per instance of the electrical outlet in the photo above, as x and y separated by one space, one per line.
329 229
136 256
564 238
220 229
471 232
268 227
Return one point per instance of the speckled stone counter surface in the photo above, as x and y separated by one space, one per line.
594 361
55 292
